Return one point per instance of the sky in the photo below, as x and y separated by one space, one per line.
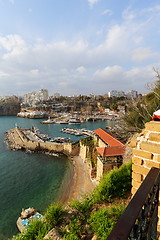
77 47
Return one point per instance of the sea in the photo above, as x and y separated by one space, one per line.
32 179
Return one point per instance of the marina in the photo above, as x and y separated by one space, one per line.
78 132
25 174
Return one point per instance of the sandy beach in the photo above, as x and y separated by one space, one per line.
80 182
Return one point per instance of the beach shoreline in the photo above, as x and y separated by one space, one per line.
79 182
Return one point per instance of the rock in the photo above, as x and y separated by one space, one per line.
26 213
94 237
53 234
9 106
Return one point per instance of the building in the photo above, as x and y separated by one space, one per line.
110 152
33 98
121 109
132 94
115 93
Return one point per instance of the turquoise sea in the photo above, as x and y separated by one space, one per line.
31 179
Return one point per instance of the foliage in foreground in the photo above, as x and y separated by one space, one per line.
54 215
103 220
86 217
115 184
35 231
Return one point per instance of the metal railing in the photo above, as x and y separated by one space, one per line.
139 220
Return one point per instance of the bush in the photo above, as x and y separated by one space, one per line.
75 227
54 215
104 220
115 184
71 236
83 206
36 230
17 237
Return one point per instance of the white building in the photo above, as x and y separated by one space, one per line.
115 93
34 97
132 94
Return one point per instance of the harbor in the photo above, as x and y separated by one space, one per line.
21 171
78 132
29 139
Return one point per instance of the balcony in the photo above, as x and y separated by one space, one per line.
139 220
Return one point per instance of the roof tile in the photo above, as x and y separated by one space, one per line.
107 137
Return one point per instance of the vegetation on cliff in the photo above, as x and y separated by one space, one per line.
95 214
139 112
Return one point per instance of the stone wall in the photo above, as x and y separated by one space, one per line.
99 142
146 154
83 152
22 141
99 173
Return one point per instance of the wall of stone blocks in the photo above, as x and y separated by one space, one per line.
146 154
99 169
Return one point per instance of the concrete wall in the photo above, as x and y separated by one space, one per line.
146 154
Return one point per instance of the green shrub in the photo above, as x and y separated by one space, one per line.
75 227
115 184
36 230
17 237
54 215
71 236
104 220
84 206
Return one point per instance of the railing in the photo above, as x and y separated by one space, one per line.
139 220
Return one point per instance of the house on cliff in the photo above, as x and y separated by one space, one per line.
110 151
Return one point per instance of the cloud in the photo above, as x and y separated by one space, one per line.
35 72
153 9
141 54
3 74
107 12
109 73
13 45
116 77
128 14
92 2
81 69
79 65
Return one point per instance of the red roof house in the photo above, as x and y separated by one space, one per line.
107 138
111 151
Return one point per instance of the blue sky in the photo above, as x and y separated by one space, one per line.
78 46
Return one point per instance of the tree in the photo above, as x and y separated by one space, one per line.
139 112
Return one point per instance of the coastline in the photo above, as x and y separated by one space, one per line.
79 182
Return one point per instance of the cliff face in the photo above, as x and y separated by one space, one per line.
9 106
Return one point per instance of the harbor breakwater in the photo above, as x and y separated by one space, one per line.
18 139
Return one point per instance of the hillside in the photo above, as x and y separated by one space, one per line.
9 106
91 218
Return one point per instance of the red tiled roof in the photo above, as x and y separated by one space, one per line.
111 151
107 137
